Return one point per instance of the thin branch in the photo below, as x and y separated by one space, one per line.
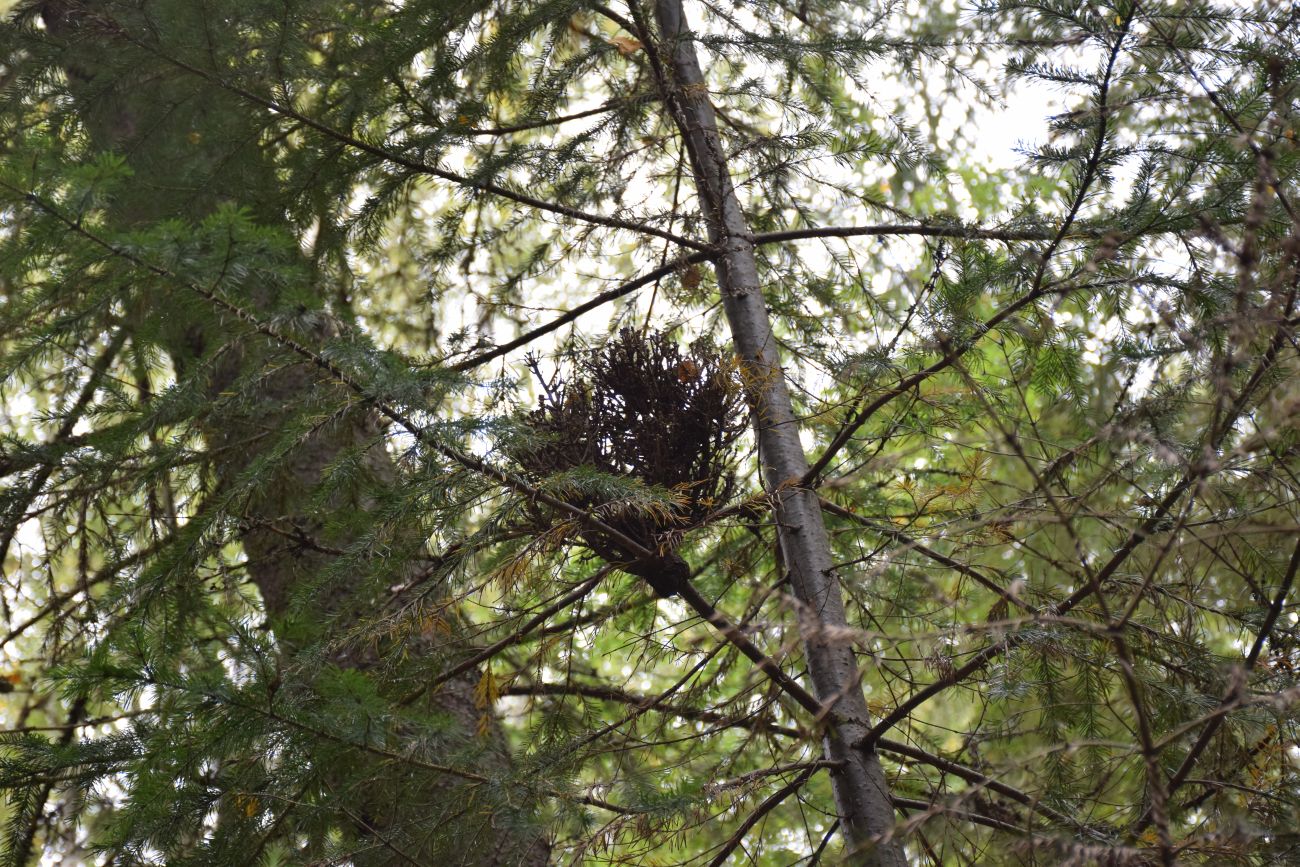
769 804
1217 718
74 415
707 255
916 754
925 230
514 637
569 316
476 465
413 165
553 121
908 542
1139 535
605 693
934 809
766 664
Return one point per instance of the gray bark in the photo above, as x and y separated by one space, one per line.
861 792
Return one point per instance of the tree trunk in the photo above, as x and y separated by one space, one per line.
861 792
193 146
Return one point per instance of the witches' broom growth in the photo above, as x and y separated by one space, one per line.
642 410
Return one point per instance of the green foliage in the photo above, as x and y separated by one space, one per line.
296 525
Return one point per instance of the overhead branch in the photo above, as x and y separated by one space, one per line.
397 159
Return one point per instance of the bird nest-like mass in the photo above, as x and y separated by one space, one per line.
641 434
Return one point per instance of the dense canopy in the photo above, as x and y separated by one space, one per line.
524 432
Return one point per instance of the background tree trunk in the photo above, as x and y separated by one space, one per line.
192 148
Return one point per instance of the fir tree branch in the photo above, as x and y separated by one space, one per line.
1037 289
915 545
887 745
509 480
979 780
1216 719
556 121
639 710
586 307
370 830
612 694
862 415
271 714
898 230
21 850
769 804
921 230
931 808
57 601
765 663
386 155
1140 534
73 415
341 376
1216 99
514 637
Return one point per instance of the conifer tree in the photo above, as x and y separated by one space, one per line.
546 431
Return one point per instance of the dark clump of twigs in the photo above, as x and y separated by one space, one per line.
641 434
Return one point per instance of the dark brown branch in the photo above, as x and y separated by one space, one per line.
704 256
765 663
976 778
965 815
551 121
605 693
569 316
507 479
924 230
514 637
769 804
1216 719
